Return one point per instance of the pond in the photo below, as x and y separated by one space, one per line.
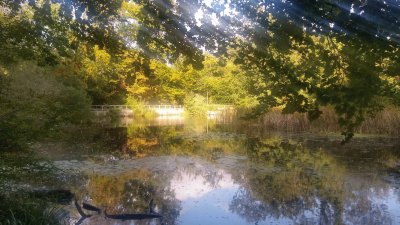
219 171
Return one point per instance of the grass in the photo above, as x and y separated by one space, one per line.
20 204
386 122
20 211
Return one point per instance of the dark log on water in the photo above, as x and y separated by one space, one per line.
133 216
80 211
90 207
151 206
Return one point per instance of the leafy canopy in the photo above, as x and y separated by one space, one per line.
310 53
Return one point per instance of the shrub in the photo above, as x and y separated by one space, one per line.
195 105
33 103
139 108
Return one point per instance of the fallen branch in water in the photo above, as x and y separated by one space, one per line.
87 206
80 211
133 216
136 216
129 216
151 205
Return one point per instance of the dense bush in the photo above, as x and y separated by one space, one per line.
139 108
33 103
195 105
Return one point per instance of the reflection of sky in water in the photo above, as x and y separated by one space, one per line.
390 203
211 208
224 178
191 186
206 191
206 203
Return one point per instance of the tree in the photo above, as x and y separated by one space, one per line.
309 63
34 103
225 82
345 47
303 55
52 29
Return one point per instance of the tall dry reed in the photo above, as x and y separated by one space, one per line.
386 122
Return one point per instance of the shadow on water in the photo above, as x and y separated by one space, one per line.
213 172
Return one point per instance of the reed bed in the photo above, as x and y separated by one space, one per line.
386 122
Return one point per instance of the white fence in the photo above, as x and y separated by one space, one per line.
127 110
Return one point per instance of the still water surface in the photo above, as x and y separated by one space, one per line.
220 172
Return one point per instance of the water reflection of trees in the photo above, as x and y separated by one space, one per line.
190 140
308 186
131 192
309 182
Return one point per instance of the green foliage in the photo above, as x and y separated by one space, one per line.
139 108
223 81
303 55
100 75
195 105
19 211
35 103
48 31
163 84
318 71
161 32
